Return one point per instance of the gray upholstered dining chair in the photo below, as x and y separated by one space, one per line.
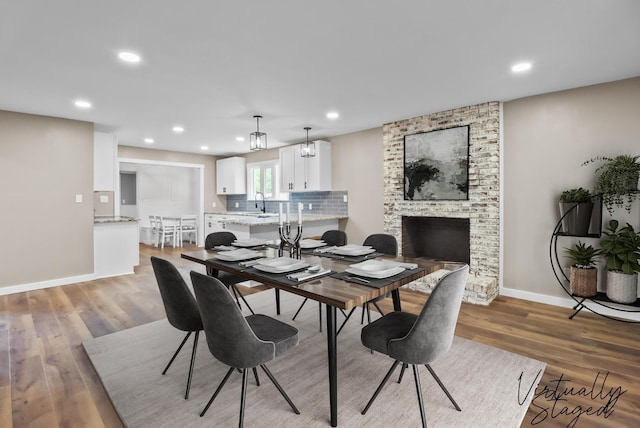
332 238
225 238
180 306
237 341
385 244
419 339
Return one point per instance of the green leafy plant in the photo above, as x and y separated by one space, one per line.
617 180
575 196
583 256
621 248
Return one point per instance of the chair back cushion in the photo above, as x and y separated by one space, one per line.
383 243
334 237
218 238
229 336
179 304
432 333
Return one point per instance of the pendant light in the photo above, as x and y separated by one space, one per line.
308 149
258 139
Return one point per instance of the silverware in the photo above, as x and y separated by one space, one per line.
357 278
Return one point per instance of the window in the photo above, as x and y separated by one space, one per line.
263 177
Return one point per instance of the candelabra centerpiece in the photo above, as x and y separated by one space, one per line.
287 239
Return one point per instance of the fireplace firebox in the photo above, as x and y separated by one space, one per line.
439 238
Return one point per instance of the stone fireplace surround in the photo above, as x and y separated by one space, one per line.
482 209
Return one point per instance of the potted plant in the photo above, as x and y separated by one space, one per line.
576 206
583 279
621 248
617 180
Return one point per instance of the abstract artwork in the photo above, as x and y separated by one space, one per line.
436 165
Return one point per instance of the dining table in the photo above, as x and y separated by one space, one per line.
337 289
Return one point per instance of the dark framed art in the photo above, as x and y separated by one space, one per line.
436 165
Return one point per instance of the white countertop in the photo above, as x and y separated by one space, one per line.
256 219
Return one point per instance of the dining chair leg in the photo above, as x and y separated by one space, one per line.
177 352
243 397
404 366
345 320
255 374
320 315
193 361
277 385
299 309
384 381
416 376
215 394
435 376
242 297
378 308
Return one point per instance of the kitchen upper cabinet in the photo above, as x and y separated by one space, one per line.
231 176
300 174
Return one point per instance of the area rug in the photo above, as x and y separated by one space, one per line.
489 384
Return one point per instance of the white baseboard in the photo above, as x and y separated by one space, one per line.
45 284
566 302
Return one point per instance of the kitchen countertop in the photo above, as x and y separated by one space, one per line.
258 219
112 219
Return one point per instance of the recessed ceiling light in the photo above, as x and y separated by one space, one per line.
520 67
129 57
204 148
239 138
333 115
178 129
82 103
148 140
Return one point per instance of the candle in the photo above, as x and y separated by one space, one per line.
280 214
299 212
287 212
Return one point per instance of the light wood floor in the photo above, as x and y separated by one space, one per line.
46 379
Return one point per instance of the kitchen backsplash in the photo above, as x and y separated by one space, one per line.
333 203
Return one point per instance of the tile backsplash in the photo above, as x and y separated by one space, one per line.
322 203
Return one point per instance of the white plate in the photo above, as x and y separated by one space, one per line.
375 269
353 250
280 265
251 242
237 255
311 243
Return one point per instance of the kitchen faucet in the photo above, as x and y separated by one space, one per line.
264 208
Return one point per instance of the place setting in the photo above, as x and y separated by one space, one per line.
288 270
376 273
351 252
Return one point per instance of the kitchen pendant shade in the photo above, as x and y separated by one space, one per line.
308 149
258 140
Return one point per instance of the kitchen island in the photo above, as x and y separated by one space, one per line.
265 225
115 245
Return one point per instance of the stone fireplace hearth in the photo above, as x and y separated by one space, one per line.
481 211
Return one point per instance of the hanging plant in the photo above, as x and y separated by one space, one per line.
617 180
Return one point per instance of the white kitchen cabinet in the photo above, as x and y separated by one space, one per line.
231 176
300 174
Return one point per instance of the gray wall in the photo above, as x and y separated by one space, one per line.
44 163
546 139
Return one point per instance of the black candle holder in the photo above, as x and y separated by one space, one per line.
286 241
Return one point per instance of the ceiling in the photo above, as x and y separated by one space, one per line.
210 66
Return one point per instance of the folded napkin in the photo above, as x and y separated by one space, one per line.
405 265
306 274
252 262
325 249
224 248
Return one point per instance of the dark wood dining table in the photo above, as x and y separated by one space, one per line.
335 293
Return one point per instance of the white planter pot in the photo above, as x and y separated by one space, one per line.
622 288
